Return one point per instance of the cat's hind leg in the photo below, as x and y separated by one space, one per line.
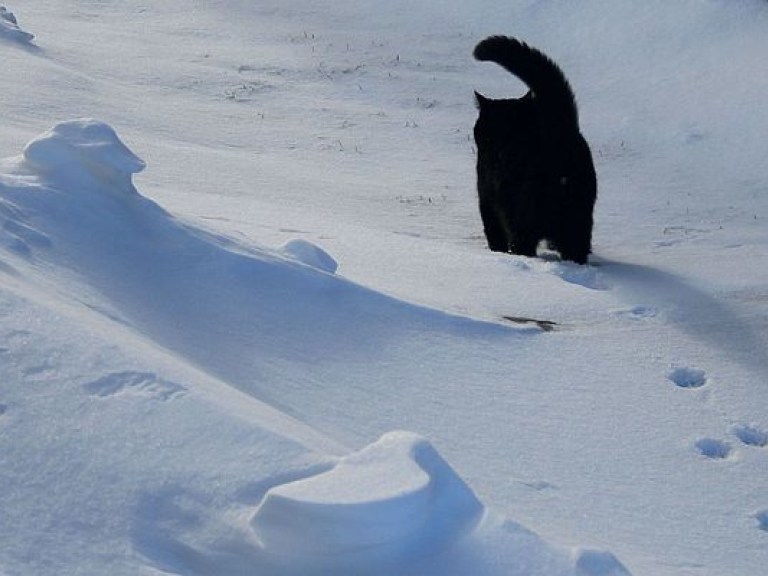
495 233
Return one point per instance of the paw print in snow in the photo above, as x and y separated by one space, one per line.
141 383
762 520
751 435
688 377
713 448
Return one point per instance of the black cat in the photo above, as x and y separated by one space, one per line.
535 176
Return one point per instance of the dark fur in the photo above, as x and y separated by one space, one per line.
535 176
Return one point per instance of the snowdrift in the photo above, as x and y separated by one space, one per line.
79 241
215 302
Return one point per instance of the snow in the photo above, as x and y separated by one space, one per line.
222 302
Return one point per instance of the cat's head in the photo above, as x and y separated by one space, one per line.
509 124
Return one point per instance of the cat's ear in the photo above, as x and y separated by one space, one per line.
480 100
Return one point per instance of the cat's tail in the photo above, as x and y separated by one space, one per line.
545 79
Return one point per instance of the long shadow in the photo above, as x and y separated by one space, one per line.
696 312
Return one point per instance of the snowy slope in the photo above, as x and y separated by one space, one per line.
299 270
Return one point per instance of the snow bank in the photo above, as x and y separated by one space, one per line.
395 498
9 27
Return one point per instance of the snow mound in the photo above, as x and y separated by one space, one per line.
311 255
388 500
84 148
9 27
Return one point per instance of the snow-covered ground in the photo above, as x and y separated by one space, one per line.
248 323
